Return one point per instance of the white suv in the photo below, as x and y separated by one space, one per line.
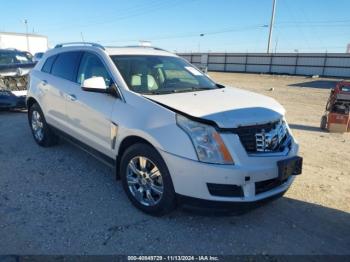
171 132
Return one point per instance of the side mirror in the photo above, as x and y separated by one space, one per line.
95 84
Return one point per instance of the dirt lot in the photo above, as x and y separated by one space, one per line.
62 201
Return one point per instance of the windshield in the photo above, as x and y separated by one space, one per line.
160 74
9 58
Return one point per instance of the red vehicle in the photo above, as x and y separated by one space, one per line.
336 117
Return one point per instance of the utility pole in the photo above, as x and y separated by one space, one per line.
25 21
271 26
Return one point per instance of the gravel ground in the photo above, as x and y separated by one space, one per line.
62 201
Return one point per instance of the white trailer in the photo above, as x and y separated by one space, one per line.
32 43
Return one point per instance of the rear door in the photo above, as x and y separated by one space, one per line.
57 82
89 114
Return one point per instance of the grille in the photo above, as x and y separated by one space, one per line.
225 190
264 186
258 139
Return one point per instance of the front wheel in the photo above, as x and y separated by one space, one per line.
146 180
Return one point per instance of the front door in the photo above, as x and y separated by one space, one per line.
89 113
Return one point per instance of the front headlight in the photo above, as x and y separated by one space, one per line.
206 140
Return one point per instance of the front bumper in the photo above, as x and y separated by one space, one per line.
15 100
191 178
224 206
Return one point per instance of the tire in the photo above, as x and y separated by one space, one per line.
150 186
45 137
323 124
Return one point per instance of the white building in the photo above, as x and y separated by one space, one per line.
24 42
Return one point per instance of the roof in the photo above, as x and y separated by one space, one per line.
22 34
113 50
137 50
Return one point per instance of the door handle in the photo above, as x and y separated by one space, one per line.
72 97
44 82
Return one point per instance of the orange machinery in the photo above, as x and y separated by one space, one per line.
336 117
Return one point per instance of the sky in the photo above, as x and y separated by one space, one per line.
187 25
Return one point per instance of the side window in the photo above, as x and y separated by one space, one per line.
92 66
48 64
66 65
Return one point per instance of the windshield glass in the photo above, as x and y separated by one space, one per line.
8 58
161 74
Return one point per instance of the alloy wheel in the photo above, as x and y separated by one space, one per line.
144 181
37 126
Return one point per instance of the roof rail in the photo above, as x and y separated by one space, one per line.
80 43
153 47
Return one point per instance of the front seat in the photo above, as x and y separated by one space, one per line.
141 80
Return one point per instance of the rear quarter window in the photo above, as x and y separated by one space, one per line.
48 64
66 65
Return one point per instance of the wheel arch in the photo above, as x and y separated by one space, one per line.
125 144
31 101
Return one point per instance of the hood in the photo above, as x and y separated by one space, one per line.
15 70
227 107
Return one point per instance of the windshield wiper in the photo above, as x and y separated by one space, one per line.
193 88
181 90
158 92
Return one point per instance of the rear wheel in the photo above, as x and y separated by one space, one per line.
41 131
146 180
